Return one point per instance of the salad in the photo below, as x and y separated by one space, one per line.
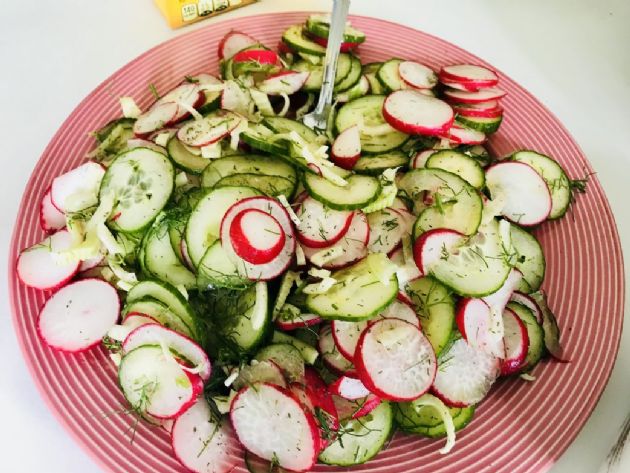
294 296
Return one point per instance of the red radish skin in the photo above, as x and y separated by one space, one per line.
234 42
470 73
321 227
79 315
528 201
320 398
475 323
417 75
133 320
476 113
288 434
185 256
37 268
347 409
349 388
395 360
261 56
516 343
51 218
465 136
256 236
285 82
412 112
159 116
431 246
529 302
346 149
305 320
463 85
331 356
344 48
186 95
482 95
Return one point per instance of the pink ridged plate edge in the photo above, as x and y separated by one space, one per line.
522 427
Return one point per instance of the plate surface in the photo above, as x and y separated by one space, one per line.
521 427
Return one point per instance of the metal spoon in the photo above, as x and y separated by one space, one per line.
318 118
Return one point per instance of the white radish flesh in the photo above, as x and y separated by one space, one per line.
412 112
234 42
434 245
516 343
349 388
331 356
157 117
288 82
346 149
471 73
387 228
209 129
482 95
256 236
79 315
480 329
417 75
321 226
51 218
77 189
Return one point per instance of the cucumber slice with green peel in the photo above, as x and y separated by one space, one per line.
458 163
309 353
250 164
442 200
369 110
389 76
477 268
225 68
485 125
370 70
314 81
287 357
530 259
295 38
217 270
260 137
555 177
435 308
361 439
269 185
353 76
204 224
286 125
535 334
360 191
160 312
321 29
425 420
161 261
375 164
360 292
167 295
141 181
184 159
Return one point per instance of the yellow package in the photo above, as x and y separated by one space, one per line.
184 12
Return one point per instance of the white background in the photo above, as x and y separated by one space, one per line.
571 54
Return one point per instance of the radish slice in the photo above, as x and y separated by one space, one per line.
331 356
420 159
209 129
412 112
526 195
478 326
285 82
461 85
291 321
346 149
464 375
159 116
529 302
256 236
277 265
395 360
202 443
479 113
470 73
516 343
462 135
387 228
433 245
347 334
37 266
261 56
417 75
234 98
156 334
234 42
348 409
499 299
51 218
79 315
345 47
482 95
187 96
270 422
350 248
77 189
349 388
133 320
321 226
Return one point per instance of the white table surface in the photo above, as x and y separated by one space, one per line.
571 54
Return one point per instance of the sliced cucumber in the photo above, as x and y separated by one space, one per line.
286 125
389 77
352 77
436 309
269 185
295 38
287 357
425 420
358 294
375 164
183 158
309 353
204 224
482 124
359 192
141 181
260 137
316 76
453 203
555 177
160 312
363 439
458 163
369 110
535 334
217 270
321 29
370 70
251 164
161 260
530 259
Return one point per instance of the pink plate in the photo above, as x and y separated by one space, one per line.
521 427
